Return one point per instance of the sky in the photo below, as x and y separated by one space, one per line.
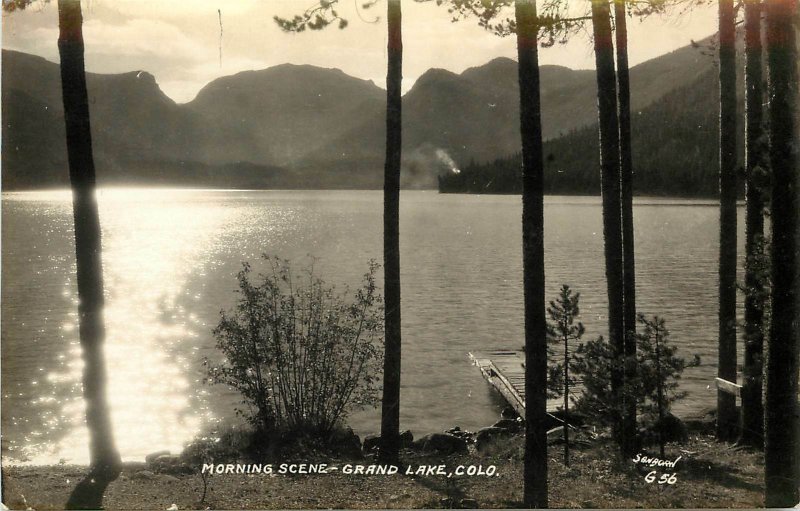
178 41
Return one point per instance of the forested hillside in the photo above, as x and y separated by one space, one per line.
295 126
674 144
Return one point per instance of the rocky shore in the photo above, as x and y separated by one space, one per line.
451 469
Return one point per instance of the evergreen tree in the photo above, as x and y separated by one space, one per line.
390 410
756 173
659 372
611 193
104 460
565 330
675 150
782 415
318 17
655 387
626 190
727 418
531 28
535 469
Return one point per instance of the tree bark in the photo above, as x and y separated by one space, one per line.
727 420
390 410
752 406
105 464
566 400
535 465
610 184
660 393
782 425
629 444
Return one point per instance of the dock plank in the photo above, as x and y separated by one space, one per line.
505 371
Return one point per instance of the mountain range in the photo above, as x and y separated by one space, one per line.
300 126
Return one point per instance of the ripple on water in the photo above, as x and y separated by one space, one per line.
170 258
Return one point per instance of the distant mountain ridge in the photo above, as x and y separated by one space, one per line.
297 126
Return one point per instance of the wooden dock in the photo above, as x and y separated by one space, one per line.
504 370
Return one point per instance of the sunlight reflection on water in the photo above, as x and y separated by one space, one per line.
170 257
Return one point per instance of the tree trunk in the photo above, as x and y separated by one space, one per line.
390 410
660 393
782 425
610 184
626 188
535 467
752 407
566 400
727 420
105 464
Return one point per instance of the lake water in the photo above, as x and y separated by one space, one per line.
170 259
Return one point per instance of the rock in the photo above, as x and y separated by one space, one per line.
406 439
165 463
168 478
455 431
371 443
441 443
702 421
572 418
468 504
467 436
486 436
345 442
512 425
555 435
509 413
673 429
150 458
143 474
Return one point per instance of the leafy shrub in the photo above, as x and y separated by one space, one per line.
301 355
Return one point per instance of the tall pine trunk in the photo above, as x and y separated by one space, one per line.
105 463
610 184
752 406
782 425
660 393
727 421
535 467
566 400
626 188
390 411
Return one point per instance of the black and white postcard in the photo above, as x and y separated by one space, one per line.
414 254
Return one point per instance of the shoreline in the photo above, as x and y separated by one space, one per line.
710 472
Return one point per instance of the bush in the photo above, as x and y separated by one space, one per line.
655 387
301 355
593 364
